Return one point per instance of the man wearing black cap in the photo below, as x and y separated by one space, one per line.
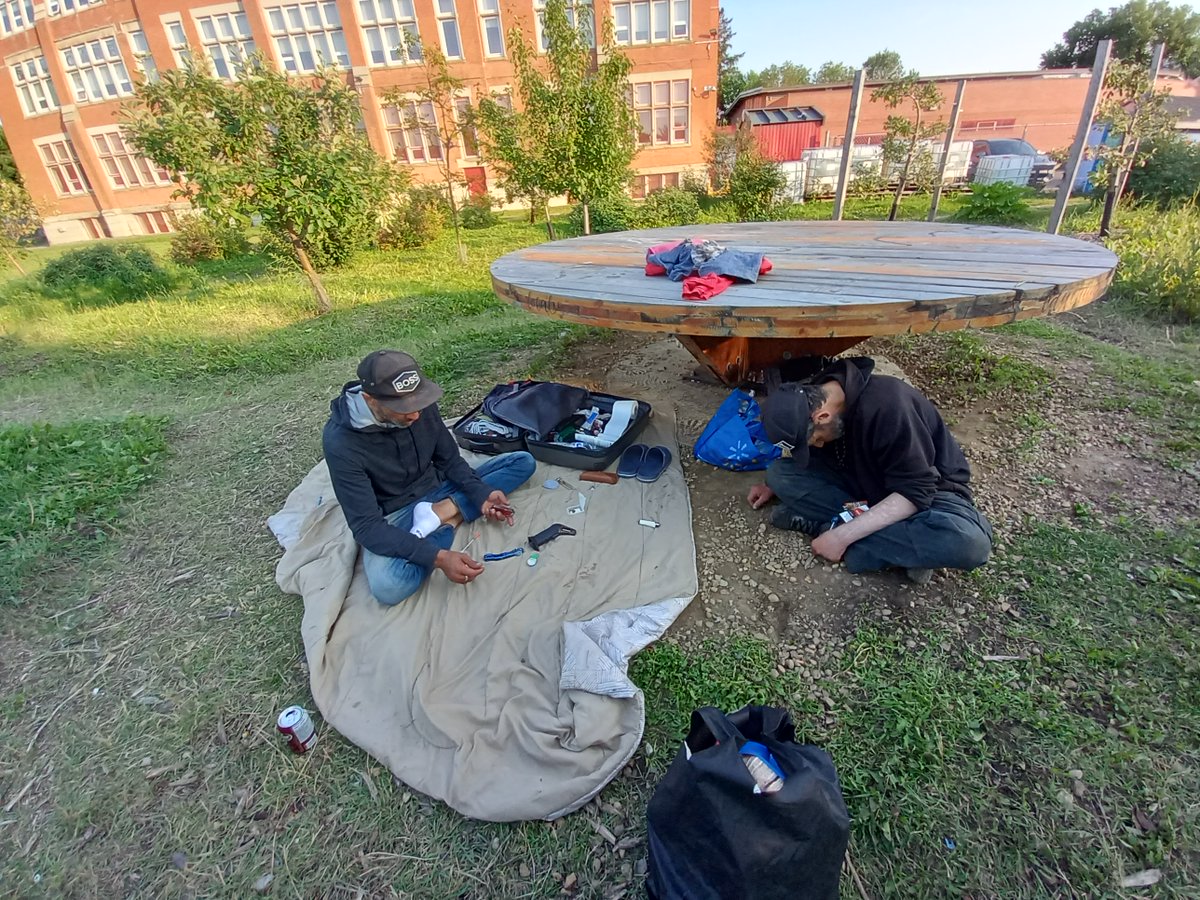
401 482
855 436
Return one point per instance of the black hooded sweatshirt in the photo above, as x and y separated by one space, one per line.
895 440
377 469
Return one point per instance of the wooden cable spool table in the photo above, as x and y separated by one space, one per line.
833 285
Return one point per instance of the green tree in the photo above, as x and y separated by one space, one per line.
1134 29
575 123
1135 113
833 72
8 166
902 135
722 151
1170 174
884 66
514 144
286 150
781 75
756 185
438 94
731 81
19 219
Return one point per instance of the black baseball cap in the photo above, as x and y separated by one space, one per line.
394 379
787 417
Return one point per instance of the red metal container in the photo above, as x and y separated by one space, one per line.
787 141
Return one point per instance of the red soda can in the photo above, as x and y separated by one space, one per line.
296 725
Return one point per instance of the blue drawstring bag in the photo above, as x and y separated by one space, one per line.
735 438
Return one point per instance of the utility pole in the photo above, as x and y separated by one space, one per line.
950 129
1099 68
839 199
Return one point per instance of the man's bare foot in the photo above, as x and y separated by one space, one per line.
448 512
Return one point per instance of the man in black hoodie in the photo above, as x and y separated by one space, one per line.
858 436
401 482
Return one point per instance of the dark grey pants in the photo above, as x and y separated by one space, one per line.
951 534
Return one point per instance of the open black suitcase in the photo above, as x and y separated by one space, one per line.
558 454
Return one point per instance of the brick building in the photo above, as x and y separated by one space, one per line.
1042 106
69 64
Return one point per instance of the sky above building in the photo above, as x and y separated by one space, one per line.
936 37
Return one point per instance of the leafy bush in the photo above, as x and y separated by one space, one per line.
112 271
1171 176
432 196
694 183
612 214
996 204
756 186
59 481
717 214
198 238
1160 268
478 213
670 206
416 220
866 179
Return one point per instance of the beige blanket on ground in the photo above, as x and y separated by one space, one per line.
506 698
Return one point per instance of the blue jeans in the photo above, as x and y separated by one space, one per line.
951 534
393 579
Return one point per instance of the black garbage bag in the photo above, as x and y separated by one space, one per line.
711 836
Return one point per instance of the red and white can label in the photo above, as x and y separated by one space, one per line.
296 725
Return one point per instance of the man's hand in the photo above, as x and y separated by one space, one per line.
458 567
497 508
830 545
760 495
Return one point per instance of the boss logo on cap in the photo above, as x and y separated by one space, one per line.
406 382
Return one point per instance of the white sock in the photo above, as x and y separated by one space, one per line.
425 520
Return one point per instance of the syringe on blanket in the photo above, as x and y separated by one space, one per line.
597 429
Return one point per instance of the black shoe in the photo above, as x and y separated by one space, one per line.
783 518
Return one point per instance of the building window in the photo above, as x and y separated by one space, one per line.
178 40
651 21
584 9
470 138
96 71
390 29
62 7
141 53
491 27
125 168
308 36
448 26
63 167
227 40
408 127
95 231
644 185
15 15
662 112
36 90
154 222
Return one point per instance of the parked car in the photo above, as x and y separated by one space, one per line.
1043 166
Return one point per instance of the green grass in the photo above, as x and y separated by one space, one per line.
966 367
243 317
935 744
66 483
189 649
1158 383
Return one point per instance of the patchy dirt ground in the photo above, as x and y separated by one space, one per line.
1054 455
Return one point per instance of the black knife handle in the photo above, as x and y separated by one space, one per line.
539 540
